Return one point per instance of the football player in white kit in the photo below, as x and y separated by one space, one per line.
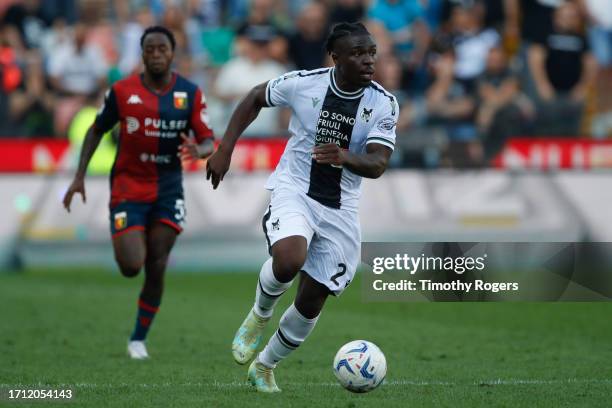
342 129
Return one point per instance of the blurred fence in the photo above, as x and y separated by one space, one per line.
223 229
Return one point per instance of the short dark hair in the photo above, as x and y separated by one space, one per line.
161 30
341 30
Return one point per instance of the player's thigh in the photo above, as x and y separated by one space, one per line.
288 257
288 226
311 296
160 240
335 253
128 223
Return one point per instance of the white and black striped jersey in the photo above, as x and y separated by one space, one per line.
322 113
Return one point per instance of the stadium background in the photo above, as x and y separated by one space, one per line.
485 153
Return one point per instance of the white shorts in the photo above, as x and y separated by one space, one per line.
333 235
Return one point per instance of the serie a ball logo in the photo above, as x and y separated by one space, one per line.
360 366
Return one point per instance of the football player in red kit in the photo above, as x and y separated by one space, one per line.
155 110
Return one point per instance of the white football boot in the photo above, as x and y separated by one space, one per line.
137 350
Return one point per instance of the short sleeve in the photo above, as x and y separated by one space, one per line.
280 91
108 115
383 129
199 122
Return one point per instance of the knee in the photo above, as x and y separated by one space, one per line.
286 266
129 268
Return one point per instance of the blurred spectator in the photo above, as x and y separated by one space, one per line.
174 20
537 19
389 75
347 10
32 104
78 68
242 73
503 110
401 18
307 44
600 35
65 10
10 77
206 12
451 104
264 12
433 10
471 43
129 38
493 13
28 20
600 13
124 9
263 16
563 69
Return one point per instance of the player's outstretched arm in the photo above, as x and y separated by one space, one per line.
90 144
245 113
371 164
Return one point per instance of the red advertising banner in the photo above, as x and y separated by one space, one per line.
49 155
551 154
38 155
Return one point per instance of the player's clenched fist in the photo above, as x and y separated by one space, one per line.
77 186
217 165
329 153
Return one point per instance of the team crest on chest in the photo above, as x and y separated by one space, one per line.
180 100
366 114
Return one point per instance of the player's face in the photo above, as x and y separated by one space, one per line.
355 59
157 53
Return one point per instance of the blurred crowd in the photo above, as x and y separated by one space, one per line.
468 73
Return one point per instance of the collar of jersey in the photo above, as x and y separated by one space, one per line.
164 91
343 94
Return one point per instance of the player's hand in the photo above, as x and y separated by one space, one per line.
191 150
217 165
77 186
329 153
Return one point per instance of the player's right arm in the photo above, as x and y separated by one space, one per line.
276 92
106 119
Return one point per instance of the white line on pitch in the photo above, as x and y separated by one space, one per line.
392 383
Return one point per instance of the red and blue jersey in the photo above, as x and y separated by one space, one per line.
147 166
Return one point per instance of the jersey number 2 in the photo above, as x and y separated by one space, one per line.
342 268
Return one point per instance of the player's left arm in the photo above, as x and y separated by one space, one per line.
200 145
380 143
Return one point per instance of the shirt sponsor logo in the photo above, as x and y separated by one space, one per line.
330 128
155 158
156 127
132 124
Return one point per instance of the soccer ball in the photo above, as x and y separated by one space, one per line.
360 366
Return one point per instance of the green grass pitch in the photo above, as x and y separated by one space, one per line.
69 329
